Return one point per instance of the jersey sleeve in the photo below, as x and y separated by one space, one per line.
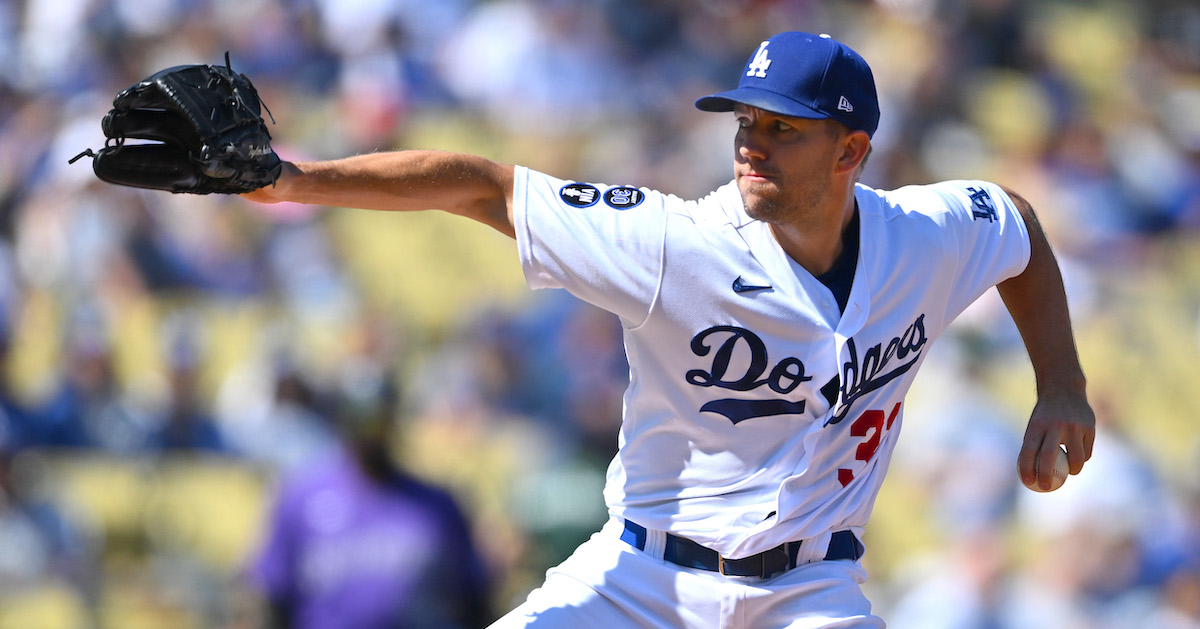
988 234
603 244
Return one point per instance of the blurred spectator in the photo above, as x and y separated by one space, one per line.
355 541
965 587
89 407
203 250
37 542
1180 607
272 414
186 423
16 421
962 426
305 270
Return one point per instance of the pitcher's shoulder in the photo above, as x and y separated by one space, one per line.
937 198
722 206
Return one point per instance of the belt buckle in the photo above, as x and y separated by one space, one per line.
775 561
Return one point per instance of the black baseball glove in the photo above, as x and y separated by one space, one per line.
204 129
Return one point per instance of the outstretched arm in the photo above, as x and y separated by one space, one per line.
1037 302
466 185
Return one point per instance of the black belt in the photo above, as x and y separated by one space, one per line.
689 554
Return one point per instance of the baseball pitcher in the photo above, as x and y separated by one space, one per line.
773 328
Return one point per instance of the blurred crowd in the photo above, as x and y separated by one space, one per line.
169 359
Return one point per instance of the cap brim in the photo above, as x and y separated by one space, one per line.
762 99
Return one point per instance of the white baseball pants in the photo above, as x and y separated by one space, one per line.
608 584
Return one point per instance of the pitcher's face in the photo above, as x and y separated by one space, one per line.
783 165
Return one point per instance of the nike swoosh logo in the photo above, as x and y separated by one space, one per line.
740 286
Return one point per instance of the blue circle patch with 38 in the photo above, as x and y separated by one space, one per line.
623 197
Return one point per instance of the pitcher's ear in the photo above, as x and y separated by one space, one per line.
856 145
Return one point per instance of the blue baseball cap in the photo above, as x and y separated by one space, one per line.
806 76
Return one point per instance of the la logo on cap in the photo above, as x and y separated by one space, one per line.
817 77
759 64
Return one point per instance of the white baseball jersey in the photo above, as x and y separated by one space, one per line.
757 413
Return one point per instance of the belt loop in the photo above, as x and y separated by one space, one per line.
651 542
656 544
812 549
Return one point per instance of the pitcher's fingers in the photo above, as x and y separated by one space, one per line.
1027 459
1077 452
1047 457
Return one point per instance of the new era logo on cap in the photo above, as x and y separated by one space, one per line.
806 76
